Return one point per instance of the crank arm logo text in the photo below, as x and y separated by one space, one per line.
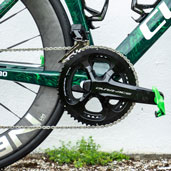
163 8
107 90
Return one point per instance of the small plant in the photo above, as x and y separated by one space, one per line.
85 152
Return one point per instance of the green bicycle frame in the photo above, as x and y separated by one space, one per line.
133 47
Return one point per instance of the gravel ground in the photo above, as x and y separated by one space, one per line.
40 162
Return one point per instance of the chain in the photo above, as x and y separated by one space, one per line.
49 127
67 127
36 49
64 127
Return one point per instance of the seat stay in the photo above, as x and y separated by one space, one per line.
6 5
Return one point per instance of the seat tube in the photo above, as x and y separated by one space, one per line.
78 16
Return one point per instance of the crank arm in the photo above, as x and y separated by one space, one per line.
126 92
130 93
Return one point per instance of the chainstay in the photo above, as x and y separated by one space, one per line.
66 127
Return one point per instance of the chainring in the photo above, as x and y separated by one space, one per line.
95 63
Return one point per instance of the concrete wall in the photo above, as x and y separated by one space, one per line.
140 132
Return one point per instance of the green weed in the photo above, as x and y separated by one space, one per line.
84 153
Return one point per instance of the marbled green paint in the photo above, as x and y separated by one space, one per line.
38 77
5 6
79 77
78 15
156 20
45 78
135 45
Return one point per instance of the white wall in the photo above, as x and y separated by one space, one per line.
140 132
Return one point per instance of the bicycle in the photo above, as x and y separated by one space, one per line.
81 71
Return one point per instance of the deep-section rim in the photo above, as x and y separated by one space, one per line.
58 108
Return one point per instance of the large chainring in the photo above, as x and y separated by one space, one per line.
95 63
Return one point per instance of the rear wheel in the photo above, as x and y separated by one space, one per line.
30 105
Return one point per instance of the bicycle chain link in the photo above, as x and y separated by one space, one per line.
36 49
64 127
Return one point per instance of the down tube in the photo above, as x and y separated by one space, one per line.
147 33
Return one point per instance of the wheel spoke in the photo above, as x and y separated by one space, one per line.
9 110
25 87
22 42
13 15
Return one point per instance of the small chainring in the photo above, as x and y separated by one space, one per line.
95 63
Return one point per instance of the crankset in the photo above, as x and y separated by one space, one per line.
107 90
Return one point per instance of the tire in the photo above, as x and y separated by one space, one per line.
46 109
